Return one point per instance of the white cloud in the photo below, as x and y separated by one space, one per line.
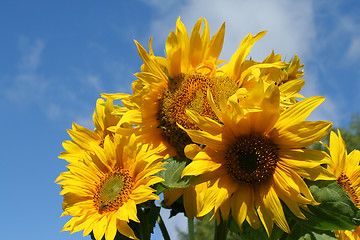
29 85
26 87
353 52
290 24
94 81
30 54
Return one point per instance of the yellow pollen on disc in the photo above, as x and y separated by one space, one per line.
251 159
346 184
113 190
189 92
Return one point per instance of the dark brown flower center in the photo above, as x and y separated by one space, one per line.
252 159
113 190
189 92
346 184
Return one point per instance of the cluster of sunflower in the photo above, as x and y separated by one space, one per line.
225 138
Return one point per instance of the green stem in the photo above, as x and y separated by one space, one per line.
191 229
144 226
163 229
220 230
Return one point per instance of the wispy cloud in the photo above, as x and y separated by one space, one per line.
26 84
290 24
30 54
30 85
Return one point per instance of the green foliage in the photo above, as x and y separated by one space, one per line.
300 232
172 175
248 233
336 210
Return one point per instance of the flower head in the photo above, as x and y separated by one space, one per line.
83 137
102 191
347 171
256 157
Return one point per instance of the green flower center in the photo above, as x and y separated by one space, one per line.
252 159
113 190
189 92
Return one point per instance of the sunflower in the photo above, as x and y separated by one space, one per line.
83 137
289 79
170 85
101 192
348 235
256 157
347 171
167 86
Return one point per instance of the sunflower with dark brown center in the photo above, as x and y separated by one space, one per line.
256 157
252 159
189 92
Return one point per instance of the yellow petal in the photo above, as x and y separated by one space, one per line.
352 161
196 44
271 206
204 123
233 70
114 96
241 202
306 162
215 45
300 135
150 63
298 112
111 227
199 167
99 227
338 153
125 230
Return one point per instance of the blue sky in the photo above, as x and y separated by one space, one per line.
56 57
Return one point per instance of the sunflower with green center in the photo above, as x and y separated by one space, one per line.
101 192
347 171
83 137
256 157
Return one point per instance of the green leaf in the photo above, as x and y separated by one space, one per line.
299 232
172 175
336 211
248 233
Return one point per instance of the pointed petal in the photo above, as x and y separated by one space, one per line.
300 135
298 112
